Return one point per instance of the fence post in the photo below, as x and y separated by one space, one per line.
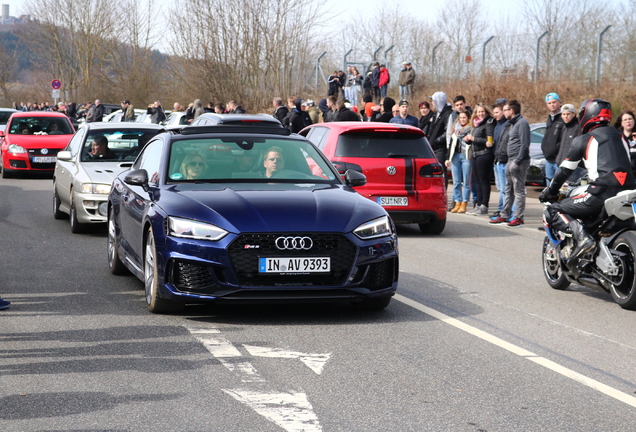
344 59
318 68
483 55
375 53
433 61
598 54
536 62
385 53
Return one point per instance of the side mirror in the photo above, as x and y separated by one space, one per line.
355 178
64 155
137 178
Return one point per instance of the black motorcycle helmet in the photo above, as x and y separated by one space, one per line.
594 113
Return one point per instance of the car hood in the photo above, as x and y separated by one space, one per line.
40 141
262 207
104 172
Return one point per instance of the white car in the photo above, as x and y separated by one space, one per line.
85 169
176 118
115 116
5 113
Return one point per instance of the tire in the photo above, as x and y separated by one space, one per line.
552 269
76 226
153 301
115 264
57 214
623 290
378 303
6 174
433 227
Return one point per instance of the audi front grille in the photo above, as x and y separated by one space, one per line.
246 250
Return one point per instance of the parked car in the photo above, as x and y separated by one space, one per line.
82 178
144 117
232 214
536 172
31 141
115 116
261 120
402 172
176 118
5 113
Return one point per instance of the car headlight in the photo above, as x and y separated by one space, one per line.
376 228
14 148
96 188
187 228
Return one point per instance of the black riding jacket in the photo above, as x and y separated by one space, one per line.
606 158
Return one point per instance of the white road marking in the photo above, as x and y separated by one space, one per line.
291 411
315 362
223 350
589 382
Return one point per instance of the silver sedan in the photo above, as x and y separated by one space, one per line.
85 169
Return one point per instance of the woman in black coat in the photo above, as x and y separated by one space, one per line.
427 114
481 138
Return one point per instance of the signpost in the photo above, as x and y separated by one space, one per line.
56 85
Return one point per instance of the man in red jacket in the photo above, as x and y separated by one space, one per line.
385 79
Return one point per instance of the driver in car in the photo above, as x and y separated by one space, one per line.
100 150
273 161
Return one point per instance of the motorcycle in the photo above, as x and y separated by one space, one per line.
611 267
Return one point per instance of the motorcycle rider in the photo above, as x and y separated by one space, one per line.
606 157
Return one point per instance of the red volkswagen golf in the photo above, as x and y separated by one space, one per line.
403 175
31 140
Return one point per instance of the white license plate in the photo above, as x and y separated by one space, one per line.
44 159
392 201
294 265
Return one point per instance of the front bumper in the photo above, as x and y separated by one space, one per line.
194 271
91 208
26 162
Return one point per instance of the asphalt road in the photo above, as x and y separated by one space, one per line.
475 341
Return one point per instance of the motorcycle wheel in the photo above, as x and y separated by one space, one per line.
623 290
552 267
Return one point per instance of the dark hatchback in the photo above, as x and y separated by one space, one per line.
235 214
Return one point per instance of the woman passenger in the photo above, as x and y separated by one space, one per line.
193 166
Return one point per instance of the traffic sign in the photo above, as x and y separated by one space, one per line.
55 93
56 84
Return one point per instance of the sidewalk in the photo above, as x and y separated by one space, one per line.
533 213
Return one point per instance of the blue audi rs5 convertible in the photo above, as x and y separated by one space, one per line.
247 213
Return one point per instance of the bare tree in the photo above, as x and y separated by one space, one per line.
8 64
461 25
68 36
242 49
132 62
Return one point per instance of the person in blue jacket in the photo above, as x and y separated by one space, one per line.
403 116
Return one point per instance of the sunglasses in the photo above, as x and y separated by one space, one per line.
196 164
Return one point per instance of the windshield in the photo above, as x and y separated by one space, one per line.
40 126
115 144
375 144
4 116
259 159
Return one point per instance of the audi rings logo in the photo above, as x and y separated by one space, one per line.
391 170
294 243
